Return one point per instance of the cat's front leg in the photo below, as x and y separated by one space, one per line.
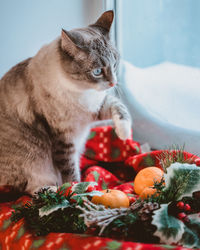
66 159
113 109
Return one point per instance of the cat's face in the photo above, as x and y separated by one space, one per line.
88 57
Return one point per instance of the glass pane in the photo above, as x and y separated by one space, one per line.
161 30
161 41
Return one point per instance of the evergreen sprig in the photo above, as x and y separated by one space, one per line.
174 153
66 220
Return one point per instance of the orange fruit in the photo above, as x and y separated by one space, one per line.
112 198
148 192
146 178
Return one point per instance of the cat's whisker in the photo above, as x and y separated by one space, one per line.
118 91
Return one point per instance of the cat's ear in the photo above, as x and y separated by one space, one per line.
105 20
67 44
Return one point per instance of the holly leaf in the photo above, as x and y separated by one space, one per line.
93 193
190 239
66 185
192 231
169 229
182 179
81 187
46 210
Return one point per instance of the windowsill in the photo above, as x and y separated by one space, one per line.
163 101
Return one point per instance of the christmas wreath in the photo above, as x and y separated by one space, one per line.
170 215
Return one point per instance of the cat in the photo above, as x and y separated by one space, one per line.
49 102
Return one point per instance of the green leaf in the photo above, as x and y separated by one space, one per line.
65 185
192 232
96 175
169 229
91 135
113 245
93 193
190 239
82 187
46 210
181 180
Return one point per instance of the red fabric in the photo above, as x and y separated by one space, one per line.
110 162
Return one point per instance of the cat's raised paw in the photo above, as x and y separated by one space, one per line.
123 129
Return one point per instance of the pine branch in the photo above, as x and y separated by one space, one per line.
173 154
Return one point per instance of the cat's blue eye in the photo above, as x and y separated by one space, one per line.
97 72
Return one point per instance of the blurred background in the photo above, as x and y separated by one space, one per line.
26 25
161 30
159 43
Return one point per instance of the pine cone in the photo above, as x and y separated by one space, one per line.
146 211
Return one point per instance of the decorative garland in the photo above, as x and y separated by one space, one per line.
170 216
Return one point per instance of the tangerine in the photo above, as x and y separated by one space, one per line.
146 178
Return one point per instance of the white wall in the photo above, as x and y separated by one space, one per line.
26 25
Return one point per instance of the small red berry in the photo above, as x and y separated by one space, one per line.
187 207
90 189
181 216
180 205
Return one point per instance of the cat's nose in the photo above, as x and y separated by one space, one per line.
113 80
112 84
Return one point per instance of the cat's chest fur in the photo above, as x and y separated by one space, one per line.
92 100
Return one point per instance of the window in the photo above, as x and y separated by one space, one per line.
159 42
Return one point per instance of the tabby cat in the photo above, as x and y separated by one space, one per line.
49 102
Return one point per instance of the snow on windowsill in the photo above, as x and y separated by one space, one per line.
168 91
164 101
